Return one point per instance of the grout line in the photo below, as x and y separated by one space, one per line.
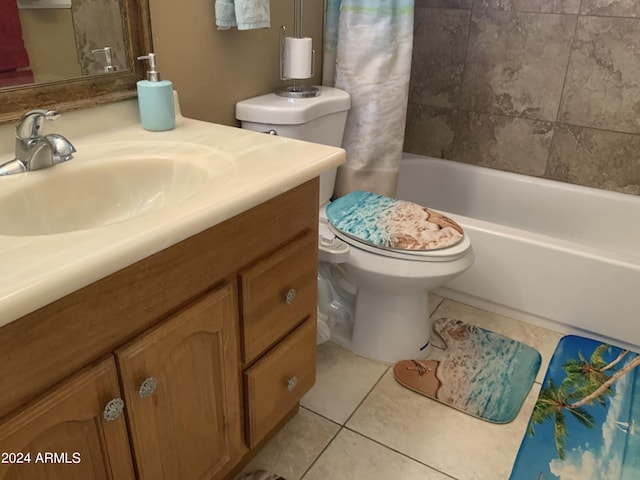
458 108
442 299
553 123
320 415
367 395
401 453
321 453
556 123
566 69
342 426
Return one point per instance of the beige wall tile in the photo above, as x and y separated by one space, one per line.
616 8
439 48
444 3
603 80
429 130
535 6
596 158
516 63
505 143
516 66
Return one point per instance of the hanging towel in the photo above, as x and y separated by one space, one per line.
17 77
12 54
244 14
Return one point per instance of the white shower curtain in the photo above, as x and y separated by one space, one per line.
367 52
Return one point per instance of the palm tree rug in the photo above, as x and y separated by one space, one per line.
474 370
585 422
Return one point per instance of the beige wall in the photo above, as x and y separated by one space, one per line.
213 69
550 89
60 40
49 38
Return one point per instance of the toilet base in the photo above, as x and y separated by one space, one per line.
390 327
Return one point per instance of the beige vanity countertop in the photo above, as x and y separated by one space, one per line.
37 270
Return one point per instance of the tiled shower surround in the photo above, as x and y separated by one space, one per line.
549 88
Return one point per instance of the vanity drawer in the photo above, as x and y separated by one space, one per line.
278 293
277 382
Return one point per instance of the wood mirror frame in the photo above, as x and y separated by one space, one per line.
87 91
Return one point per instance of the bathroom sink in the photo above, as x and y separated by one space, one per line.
107 184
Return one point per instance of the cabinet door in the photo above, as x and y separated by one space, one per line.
181 385
65 435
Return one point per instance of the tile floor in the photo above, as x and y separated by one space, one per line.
358 423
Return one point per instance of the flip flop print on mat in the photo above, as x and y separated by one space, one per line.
479 372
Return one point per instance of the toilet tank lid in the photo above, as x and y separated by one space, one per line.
277 110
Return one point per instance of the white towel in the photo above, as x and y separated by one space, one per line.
244 14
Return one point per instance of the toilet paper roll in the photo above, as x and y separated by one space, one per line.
297 58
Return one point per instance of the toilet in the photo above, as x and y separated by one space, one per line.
372 292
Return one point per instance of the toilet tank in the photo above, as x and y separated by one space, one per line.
319 119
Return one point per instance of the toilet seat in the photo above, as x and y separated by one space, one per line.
440 255
395 228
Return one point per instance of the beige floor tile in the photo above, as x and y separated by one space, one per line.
354 457
543 340
343 379
296 446
439 436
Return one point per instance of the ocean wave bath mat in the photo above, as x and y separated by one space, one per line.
474 370
585 422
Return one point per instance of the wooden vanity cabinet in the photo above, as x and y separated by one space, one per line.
210 343
69 421
180 383
276 383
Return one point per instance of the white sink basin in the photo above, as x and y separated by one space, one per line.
106 184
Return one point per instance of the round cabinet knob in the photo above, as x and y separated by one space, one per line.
113 409
148 387
291 383
290 296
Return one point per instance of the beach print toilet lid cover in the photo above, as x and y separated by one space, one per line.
392 224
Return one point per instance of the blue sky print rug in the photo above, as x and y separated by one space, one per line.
474 370
584 425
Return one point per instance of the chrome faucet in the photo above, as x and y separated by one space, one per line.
34 150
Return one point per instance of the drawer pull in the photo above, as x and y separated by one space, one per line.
290 296
291 383
113 409
148 387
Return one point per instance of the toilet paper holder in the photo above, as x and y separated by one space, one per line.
298 89
283 57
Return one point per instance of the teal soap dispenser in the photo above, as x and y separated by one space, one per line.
155 99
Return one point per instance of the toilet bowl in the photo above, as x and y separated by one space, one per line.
374 297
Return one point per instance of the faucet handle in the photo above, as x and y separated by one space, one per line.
30 124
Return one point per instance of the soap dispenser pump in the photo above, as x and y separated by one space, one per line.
155 99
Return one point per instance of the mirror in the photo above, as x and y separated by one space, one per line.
77 78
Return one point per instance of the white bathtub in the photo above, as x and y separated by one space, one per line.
545 250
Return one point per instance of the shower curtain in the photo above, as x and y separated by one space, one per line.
367 52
